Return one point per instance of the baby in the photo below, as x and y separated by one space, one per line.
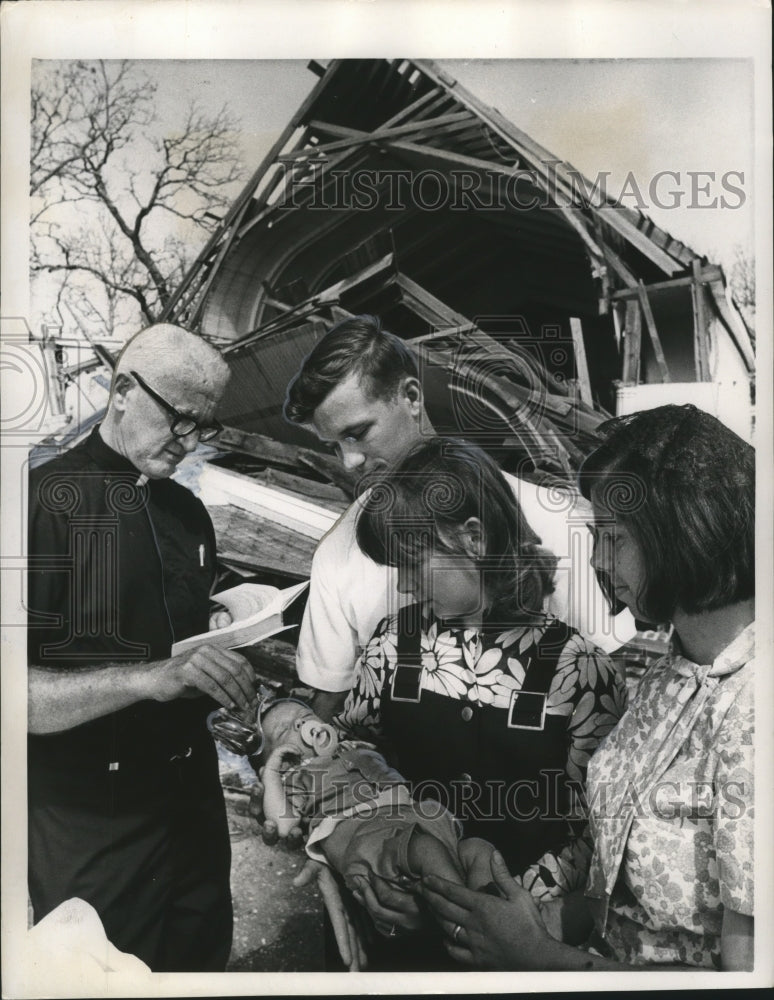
362 819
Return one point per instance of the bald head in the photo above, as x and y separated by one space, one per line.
164 353
163 374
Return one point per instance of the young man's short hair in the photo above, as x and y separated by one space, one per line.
684 485
357 346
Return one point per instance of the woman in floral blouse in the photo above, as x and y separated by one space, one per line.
490 707
671 789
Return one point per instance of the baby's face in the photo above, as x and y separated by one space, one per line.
290 724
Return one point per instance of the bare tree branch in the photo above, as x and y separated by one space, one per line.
99 152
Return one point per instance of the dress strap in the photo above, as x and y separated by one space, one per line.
527 709
542 664
407 678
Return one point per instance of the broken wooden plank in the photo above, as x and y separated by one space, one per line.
220 486
733 322
302 487
508 407
632 340
647 312
458 159
284 207
258 545
331 467
706 274
317 67
380 270
329 128
378 135
273 660
331 497
700 330
289 455
614 218
414 108
623 272
427 305
259 445
581 365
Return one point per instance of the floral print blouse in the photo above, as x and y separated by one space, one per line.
671 810
484 667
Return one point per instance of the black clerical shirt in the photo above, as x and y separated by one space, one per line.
119 568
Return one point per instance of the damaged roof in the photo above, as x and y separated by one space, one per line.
526 291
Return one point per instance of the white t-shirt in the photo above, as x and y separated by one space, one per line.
349 594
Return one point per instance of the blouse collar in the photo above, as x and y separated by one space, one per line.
735 655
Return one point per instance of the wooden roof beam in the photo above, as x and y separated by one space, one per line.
632 342
415 107
379 135
647 312
700 328
706 274
613 218
581 364
326 168
384 268
733 323
429 307
450 158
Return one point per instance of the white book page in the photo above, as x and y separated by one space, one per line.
249 604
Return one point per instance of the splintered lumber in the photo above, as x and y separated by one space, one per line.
538 416
272 659
221 486
300 487
250 542
330 497
631 345
263 447
720 296
706 275
700 332
288 455
355 138
647 312
581 365
616 219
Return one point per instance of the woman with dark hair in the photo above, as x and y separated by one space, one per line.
671 788
490 706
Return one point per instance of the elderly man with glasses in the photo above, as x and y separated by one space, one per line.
125 805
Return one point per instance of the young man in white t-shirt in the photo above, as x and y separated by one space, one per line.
359 390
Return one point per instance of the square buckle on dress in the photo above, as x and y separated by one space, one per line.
527 710
407 682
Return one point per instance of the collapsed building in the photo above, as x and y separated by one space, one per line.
536 304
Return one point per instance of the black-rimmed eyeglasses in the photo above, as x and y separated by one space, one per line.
182 425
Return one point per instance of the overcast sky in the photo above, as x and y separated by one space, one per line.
643 116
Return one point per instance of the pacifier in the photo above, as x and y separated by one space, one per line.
319 736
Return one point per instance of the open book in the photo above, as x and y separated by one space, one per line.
256 613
